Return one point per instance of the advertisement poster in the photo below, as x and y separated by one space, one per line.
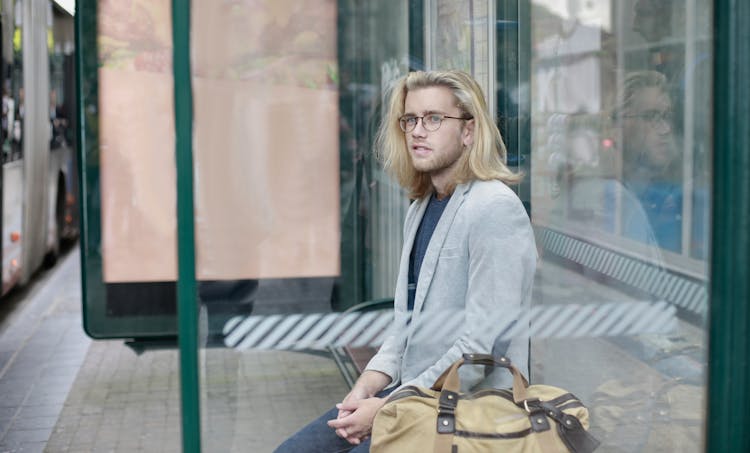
265 146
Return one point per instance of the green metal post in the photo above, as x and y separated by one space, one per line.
729 343
81 142
187 308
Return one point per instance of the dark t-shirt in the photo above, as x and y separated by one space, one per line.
427 226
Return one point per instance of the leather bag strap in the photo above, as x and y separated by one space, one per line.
443 443
449 380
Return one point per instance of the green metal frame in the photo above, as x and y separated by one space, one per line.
87 103
96 323
729 343
187 297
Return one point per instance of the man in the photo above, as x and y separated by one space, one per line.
646 114
468 259
651 168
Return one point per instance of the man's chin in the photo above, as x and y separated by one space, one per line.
422 166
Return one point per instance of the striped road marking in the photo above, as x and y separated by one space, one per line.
319 331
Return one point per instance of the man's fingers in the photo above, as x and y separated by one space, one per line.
336 423
338 429
349 406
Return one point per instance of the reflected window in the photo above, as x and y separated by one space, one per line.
620 183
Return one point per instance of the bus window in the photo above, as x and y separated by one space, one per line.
12 79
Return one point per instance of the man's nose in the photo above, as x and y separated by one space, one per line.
664 126
419 129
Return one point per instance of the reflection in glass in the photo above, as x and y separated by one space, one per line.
619 175
651 166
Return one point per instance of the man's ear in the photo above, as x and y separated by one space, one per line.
467 134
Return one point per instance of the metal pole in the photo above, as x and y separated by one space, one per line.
187 307
729 342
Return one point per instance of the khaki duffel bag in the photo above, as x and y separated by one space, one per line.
528 419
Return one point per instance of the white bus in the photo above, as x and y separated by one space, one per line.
39 182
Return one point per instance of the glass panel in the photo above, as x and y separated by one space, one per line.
512 92
620 177
62 92
295 221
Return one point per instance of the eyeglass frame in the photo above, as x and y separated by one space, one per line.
418 118
654 117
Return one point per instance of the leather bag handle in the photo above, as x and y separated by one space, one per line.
450 381
448 384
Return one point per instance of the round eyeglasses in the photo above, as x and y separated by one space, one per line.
654 117
430 122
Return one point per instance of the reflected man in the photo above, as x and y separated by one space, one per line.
468 258
651 167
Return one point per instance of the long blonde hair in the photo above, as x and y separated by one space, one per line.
483 160
637 81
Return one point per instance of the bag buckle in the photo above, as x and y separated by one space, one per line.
526 404
446 410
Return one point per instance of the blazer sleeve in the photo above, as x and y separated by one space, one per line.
501 265
389 356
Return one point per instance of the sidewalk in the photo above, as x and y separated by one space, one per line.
62 392
251 401
42 346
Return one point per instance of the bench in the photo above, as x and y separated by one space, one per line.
352 360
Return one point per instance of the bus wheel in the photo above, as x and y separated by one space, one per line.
51 257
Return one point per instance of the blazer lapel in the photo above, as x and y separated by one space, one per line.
436 244
410 234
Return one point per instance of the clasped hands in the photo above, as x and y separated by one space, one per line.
355 417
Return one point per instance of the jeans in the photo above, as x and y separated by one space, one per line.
318 437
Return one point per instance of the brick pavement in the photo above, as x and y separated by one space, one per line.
43 346
62 392
252 400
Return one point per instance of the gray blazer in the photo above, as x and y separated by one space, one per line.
474 287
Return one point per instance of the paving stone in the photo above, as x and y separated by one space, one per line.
17 436
47 350
10 399
34 423
31 447
39 411
5 356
